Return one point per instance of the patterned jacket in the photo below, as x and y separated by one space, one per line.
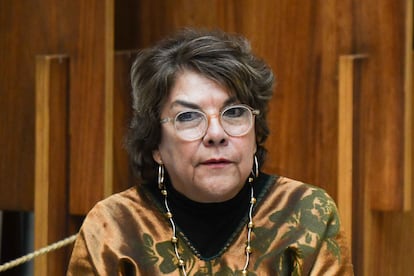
297 232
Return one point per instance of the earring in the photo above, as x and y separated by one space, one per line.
161 176
255 169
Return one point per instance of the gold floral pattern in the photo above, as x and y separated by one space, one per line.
297 232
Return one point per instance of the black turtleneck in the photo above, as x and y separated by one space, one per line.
209 227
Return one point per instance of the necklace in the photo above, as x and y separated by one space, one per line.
174 239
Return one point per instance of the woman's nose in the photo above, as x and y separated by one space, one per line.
215 133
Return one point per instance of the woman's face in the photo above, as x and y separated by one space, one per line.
215 167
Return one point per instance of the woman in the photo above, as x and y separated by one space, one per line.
203 206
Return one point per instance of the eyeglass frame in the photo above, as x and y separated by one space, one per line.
253 112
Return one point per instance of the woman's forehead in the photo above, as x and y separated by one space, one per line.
193 89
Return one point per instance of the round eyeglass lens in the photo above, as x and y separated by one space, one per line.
190 125
236 120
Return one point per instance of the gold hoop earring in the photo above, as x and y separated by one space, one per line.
161 176
255 169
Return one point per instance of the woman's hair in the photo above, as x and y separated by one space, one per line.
221 57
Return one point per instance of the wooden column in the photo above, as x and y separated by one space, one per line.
122 175
91 104
51 161
408 109
346 144
384 30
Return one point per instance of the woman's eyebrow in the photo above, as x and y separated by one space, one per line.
185 104
191 105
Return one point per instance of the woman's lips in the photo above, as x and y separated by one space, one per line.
216 162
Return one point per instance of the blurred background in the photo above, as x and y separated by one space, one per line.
341 116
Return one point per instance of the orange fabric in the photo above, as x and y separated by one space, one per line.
296 232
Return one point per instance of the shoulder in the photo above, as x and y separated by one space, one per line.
114 210
306 219
299 190
124 198
103 233
300 208
116 216
290 184
293 196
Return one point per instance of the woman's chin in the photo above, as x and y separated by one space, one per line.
218 189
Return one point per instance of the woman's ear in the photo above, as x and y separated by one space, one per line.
156 155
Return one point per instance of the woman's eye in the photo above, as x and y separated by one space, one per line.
188 116
235 112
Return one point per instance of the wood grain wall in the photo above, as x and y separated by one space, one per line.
301 40
81 30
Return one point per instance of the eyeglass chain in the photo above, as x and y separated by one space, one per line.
174 239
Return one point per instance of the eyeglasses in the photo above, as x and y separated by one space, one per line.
236 120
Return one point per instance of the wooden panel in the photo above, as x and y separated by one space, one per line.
300 39
381 32
122 174
389 238
109 96
408 108
346 144
302 44
83 30
91 98
16 108
352 200
51 162
165 17
383 245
